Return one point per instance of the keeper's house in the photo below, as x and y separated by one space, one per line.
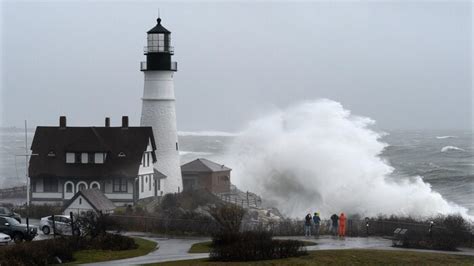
116 160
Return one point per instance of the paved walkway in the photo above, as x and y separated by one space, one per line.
376 243
172 249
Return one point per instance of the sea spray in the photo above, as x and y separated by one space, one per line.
317 156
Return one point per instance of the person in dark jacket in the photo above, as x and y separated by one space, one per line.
307 225
334 225
317 222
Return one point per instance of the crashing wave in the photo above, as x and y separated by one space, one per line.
207 133
451 148
183 153
317 156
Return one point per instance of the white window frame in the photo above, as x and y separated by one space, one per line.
95 183
69 183
78 184
70 157
84 157
99 158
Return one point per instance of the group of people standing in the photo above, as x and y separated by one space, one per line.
337 224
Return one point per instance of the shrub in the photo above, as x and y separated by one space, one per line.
251 245
37 252
229 217
112 242
169 202
92 224
47 251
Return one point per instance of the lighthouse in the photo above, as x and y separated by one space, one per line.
158 106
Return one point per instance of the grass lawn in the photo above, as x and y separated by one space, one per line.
350 257
87 256
205 247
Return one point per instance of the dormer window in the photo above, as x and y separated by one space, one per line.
121 154
51 154
70 157
85 157
99 157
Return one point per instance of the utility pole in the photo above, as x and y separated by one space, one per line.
26 155
26 167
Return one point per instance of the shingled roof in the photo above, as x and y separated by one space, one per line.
96 199
158 174
202 165
52 143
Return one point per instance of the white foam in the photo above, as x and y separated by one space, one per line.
182 153
445 137
450 148
207 133
317 156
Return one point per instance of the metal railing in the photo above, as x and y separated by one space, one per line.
287 227
245 200
144 67
174 66
158 49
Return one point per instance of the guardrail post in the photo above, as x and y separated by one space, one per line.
54 226
367 226
72 223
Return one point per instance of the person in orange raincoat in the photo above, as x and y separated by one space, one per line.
342 225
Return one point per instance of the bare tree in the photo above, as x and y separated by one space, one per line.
228 216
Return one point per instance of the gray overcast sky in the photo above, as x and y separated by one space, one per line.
408 65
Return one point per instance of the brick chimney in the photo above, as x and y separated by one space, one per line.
62 122
124 122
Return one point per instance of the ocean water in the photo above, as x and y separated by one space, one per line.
443 159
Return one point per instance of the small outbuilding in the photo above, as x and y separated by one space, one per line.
205 174
89 200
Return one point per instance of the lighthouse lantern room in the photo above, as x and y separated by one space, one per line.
158 50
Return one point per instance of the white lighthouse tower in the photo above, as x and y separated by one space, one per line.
158 105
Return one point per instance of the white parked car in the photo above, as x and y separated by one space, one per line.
62 224
4 239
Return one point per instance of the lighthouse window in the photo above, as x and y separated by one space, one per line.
152 42
161 42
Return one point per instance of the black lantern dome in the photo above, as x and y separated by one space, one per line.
159 28
158 50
